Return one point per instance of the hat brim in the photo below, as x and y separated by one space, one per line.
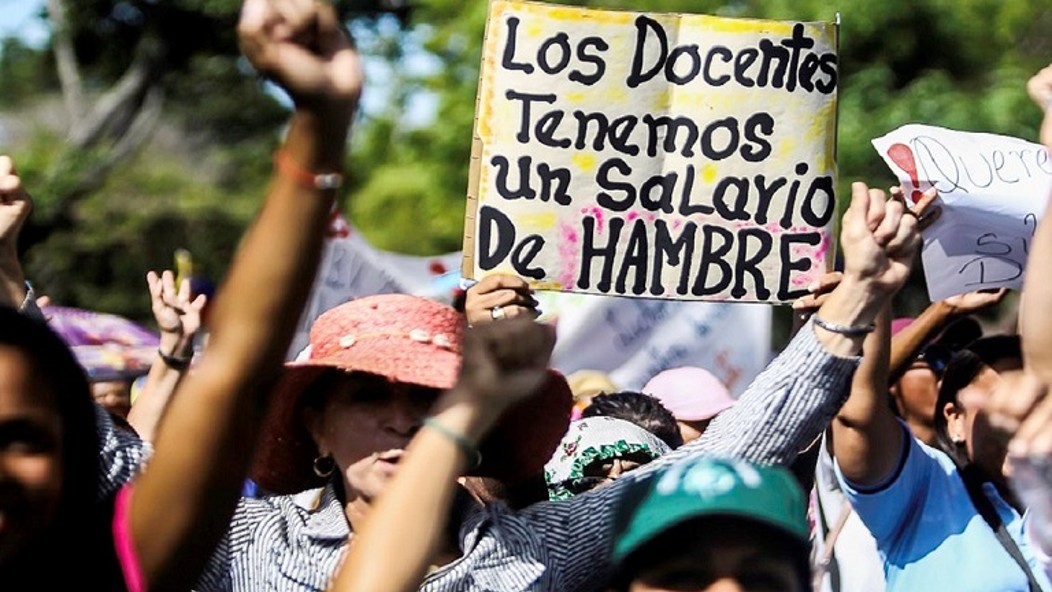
516 449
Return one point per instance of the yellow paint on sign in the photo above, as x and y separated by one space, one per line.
586 162
709 173
537 222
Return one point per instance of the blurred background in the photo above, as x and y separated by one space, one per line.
139 130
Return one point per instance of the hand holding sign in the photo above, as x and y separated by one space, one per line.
499 296
992 193
879 238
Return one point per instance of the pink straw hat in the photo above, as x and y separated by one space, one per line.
401 338
690 393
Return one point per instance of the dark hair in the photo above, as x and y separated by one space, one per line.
996 348
962 369
54 364
643 410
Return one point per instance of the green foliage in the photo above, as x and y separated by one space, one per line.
957 63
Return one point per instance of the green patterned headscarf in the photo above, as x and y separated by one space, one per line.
595 439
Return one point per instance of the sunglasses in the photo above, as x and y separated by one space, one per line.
937 357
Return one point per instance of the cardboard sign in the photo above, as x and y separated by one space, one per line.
993 190
653 155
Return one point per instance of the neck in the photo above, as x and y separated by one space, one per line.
356 508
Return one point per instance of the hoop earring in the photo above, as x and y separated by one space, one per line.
323 466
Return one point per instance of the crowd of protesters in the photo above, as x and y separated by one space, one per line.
413 445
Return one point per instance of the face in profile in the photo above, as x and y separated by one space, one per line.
30 455
365 423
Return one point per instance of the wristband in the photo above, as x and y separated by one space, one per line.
174 362
845 330
284 165
470 451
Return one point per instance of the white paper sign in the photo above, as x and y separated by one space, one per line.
993 190
632 340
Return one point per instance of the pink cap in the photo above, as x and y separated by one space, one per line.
899 324
690 393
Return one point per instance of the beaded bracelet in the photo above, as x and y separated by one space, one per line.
465 446
845 330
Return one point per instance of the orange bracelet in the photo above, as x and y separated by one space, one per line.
284 164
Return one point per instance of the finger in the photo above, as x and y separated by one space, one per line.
504 298
515 312
297 17
184 291
199 302
892 220
154 283
10 184
500 281
877 209
930 217
7 166
827 283
168 284
926 203
906 238
857 210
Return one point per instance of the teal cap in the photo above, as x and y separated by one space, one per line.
709 487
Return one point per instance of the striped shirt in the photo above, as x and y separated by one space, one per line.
295 543
121 453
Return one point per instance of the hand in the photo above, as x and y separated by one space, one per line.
965 304
178 317
931 211
1039 87
1020 413
302 46
880 238
819 292
15 204
510 292
503 363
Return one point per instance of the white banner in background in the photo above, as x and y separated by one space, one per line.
993 190
633 339
630 339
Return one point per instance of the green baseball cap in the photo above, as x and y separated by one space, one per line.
709 487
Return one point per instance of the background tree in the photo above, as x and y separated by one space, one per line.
193 181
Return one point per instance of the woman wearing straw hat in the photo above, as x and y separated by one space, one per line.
363 422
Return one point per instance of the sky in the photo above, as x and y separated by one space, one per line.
22 19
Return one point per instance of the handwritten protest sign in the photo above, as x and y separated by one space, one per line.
993 191
653 155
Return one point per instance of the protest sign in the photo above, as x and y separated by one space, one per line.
351 268
631 340
993 190
653 155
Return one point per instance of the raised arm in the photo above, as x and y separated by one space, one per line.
178 317
784 409
15 206
906 344
503 364
1035 308
181 506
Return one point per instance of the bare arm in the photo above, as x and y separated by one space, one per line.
181 505
179 319
15 206
503 363
866 437
1037 291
